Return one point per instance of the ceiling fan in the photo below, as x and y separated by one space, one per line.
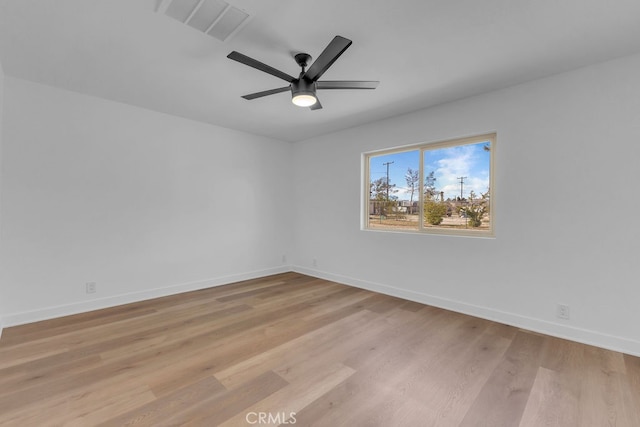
303 89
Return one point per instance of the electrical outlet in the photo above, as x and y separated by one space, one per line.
91 287
314 262
284 259
562 311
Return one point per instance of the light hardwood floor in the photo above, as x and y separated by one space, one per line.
304 351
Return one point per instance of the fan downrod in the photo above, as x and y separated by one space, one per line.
303 59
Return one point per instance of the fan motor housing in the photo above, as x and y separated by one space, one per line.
303 86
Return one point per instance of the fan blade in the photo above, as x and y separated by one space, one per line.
345 84
244 59
317 105
266 93
328 56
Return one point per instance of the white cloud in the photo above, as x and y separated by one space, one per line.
460 162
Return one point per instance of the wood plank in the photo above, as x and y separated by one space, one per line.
602 390
214 410
503 398
172 405
292 398
333 354
631 389
85 405
554 401
384 367
27 378
317 342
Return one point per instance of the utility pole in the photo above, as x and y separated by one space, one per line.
461 178
387 165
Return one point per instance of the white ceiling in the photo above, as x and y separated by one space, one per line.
423 52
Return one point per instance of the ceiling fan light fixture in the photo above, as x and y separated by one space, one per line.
303 93
304 99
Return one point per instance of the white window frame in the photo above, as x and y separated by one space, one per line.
422 147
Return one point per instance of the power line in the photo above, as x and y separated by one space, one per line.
461 178
387 165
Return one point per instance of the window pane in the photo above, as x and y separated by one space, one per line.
456 187
394 185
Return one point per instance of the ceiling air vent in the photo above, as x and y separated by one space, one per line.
216 18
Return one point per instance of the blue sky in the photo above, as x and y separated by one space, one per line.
448 164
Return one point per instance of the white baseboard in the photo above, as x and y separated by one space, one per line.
598 339
14 319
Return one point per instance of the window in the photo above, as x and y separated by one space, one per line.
442 187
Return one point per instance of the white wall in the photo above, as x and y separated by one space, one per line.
143 204
1 117
567 229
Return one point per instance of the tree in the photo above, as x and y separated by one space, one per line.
434 211
412 177
430 186
379 190
476 209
